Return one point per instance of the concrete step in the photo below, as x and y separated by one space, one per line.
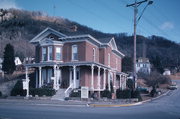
59 95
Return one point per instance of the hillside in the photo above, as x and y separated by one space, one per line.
18 27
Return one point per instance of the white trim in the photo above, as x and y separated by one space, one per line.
35 39
109 60
48 55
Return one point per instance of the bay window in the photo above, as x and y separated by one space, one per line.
50 53
44 54
58 53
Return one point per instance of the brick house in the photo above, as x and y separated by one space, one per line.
69 62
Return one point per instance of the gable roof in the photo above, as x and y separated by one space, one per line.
45 33
105 40
100 42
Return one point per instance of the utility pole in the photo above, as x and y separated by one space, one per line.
136 5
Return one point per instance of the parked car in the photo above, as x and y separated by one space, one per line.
172 87
143 89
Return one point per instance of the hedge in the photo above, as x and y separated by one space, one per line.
0 94
123 94
18 90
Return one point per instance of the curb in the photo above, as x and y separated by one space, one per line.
127 105
123 105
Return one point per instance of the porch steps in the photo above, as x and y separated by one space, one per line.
60 95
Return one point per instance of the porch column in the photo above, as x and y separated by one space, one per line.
98 85
40 69
27 80
92 77
104 79
36 78
120 83
114 77
109 76
99 78
55 77
74 76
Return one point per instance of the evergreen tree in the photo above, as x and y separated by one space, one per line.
8 65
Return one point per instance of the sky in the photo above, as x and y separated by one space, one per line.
162 18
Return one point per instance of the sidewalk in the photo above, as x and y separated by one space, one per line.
59 103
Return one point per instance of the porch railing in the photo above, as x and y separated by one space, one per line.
68 90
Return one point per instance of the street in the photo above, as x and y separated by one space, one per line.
165 107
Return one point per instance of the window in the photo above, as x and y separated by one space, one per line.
109 59
50 53
44 54
58 53
94 54
74 52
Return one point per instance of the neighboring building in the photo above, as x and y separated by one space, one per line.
143 65
167 72
70 62
17 61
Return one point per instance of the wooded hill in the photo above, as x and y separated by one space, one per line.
19 26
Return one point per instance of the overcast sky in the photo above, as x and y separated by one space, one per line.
110 16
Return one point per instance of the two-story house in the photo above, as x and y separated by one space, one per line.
143 65
70 62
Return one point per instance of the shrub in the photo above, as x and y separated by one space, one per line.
123 94
42 91
75 94
0 94
18 89
136 94
153 92
106 93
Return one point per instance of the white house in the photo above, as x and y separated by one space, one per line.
167 72
143 65
17 61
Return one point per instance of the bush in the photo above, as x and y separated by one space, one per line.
18 89
0 94
42 91
75 94
123 94
106 93
136 94
153 92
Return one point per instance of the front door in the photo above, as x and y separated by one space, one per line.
77 77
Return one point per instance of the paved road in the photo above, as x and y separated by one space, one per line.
166 107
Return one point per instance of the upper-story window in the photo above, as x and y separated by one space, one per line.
94 54
116 63
44 54
74 52
58 53
50 53
109 58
